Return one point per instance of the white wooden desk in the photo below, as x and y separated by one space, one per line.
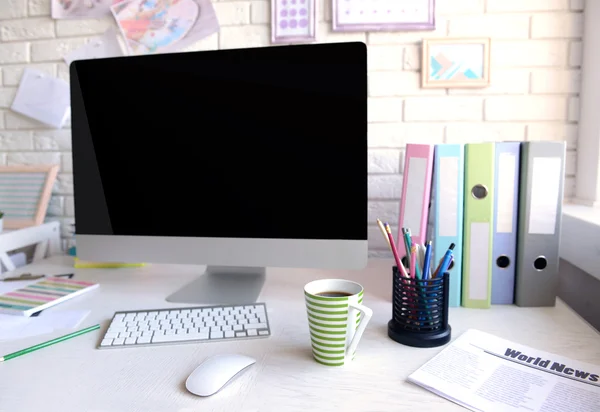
75 376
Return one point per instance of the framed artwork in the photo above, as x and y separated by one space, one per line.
24 194
455 63
383 15
293 21
164 26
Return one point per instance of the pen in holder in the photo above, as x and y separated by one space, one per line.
420 311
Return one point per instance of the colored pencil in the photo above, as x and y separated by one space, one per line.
413 260
385 234
50 342
388 230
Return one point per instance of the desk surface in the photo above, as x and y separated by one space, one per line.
75 376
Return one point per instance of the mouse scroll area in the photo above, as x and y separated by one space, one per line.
215 372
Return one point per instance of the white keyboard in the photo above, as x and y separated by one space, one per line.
185 325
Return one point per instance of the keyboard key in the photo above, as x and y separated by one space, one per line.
238 327
118 341
240 334
144 339
106 342
130 341
263 332
256 326
251 332
170 338
216 335
111 335
229 334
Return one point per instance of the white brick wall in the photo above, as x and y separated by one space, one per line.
536 59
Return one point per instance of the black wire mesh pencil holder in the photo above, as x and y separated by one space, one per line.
420 311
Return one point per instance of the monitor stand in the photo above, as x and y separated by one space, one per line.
222 285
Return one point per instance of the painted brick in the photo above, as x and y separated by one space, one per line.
27 29
64 184
387 211
533 53
54 50
325 34
7 95
559 25
524 108
52 140
556 131
69 206
569 188
384 186
409 36
13 9
384 161
526 5
207 43
484 132
555 81
32 158
233 13
14 53
244 36
66 163
3 159
575 53
412 58
11 75
83 27
385 57
571 163
398 83
376 239
2 118
443 109
62 72
453 7
15 141
496 26
384 109
577 4
55 207
39 7
15 121
260 12
573 115
503 81
398 134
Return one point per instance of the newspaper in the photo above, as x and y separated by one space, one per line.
484 373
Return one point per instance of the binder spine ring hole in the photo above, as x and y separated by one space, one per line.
540 263
479 192
503 262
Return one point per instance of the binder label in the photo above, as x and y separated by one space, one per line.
448 196
479 260
506 192
545 187
415 190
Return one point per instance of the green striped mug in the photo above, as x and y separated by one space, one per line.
336 323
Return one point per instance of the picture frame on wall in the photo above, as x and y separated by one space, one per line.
293 21
25 192
383 15
456 63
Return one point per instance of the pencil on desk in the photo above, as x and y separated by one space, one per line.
50 342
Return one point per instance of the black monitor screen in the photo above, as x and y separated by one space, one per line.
252 143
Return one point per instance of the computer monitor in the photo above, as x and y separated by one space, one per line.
234 159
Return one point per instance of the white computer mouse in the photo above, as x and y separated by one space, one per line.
214 373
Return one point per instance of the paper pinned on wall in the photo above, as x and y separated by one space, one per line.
164 26
99 47
43 98
69 9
